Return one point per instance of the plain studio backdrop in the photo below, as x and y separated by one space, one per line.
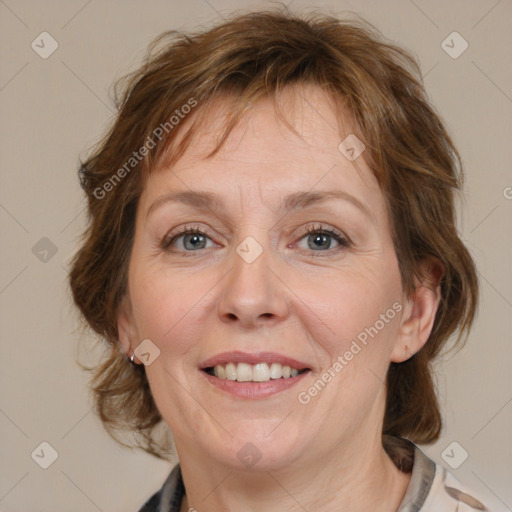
55 101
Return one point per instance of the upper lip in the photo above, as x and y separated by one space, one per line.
252 358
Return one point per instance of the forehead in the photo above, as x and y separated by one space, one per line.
263 157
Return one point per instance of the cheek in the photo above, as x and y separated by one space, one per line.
352 345
349 306
169 307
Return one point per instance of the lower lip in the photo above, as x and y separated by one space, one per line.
255 389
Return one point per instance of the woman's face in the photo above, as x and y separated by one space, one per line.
250 285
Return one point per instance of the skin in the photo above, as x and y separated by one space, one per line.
299 299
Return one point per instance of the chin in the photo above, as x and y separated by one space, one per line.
266 449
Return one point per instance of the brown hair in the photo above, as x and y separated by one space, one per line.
246 58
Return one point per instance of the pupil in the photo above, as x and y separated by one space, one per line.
194 240
319 238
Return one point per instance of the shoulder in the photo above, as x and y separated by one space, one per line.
170 495
447 494
152 504
432 488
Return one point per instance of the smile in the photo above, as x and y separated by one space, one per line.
260 372
253 375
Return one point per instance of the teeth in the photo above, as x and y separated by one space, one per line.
220 372
261 372
243 372
276 371
230 371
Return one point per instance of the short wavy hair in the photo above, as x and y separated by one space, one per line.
246 58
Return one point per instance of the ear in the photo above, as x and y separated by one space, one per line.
125 326
419 312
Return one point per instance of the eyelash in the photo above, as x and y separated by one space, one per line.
309 230
319 229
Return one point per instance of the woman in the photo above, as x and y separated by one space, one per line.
272 247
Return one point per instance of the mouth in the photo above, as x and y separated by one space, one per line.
259 372
256 375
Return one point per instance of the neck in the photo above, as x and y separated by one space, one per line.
356 476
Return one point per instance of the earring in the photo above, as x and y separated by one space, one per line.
131 358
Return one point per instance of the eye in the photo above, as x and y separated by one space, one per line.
319 238
192 239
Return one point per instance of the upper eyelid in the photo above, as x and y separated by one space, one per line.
343 239
196 227
173 234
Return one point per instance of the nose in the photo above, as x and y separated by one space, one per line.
253 293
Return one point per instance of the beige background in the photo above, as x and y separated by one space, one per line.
54 109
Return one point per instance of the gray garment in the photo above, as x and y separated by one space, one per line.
404 454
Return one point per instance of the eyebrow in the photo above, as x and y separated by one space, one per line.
295 201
